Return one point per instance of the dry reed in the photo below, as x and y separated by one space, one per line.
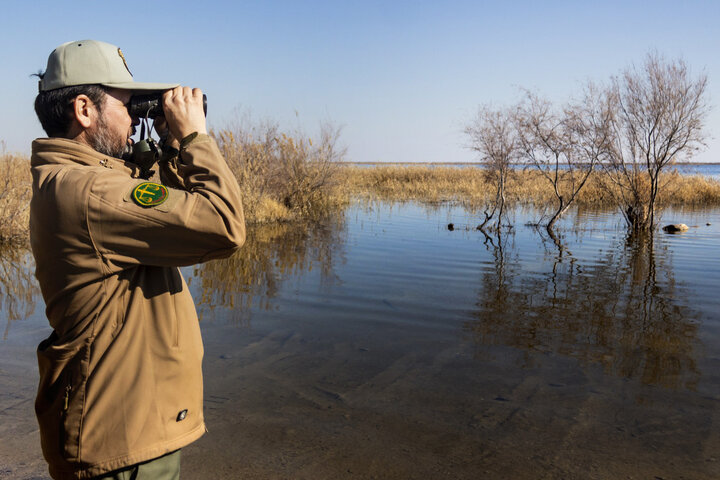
282 176
15 193
469 186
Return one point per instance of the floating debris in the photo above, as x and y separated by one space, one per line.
675 228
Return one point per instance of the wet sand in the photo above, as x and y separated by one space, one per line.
20 456
276 410
282 405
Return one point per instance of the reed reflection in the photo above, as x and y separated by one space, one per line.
17 285
270 256
621 309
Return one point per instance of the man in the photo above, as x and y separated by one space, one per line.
120 376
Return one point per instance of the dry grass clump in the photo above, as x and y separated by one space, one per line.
691 190
283 177
422 183
470 186
675 190
15 193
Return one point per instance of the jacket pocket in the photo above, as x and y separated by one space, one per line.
121 310
61 396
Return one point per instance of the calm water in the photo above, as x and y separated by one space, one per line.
712 170
382 345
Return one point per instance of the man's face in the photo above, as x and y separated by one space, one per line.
114 127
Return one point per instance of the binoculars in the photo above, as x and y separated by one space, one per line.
150 106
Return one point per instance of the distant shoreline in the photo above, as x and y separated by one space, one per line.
481 164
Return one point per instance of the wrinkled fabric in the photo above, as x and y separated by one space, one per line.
120 376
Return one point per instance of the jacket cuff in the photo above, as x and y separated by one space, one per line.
194 137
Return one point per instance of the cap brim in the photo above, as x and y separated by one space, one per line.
142 86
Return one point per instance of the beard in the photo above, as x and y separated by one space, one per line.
103 140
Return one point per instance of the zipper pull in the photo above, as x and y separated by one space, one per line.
68 389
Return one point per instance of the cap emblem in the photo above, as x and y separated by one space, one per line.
150 194
124 61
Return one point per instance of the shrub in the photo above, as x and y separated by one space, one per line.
283 176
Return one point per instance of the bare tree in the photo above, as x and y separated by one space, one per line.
660 116
494 137
565 145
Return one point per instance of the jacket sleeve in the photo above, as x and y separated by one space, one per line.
202 221
168 169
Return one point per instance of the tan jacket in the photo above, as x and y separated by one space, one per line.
120 376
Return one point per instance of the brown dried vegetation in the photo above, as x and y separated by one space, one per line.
283 177
471 186
15 192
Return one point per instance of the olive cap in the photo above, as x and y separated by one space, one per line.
86 62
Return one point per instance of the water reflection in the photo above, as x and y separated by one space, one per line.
620 309
272 254
17 285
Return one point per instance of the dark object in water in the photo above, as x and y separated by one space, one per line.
675 228
451 227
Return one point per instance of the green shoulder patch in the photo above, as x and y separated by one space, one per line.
150 194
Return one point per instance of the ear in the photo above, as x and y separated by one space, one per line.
85 111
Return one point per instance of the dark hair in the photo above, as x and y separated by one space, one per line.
54 108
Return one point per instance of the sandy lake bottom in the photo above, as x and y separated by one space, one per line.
382 345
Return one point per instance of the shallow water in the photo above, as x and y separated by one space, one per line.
383 345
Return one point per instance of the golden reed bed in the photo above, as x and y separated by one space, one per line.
469 185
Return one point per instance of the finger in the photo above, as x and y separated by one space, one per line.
168 95
160 123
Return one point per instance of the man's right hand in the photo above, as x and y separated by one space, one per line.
184 112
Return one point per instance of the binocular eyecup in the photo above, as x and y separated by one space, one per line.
150 106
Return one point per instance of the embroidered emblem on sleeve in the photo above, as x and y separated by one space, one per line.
149 194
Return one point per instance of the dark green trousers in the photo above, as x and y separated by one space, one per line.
166 467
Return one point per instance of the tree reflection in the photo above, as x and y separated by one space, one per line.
271 255
17 285
621 309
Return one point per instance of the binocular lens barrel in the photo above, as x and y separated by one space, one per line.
150 106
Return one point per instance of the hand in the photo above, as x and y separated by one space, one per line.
184 111
161 128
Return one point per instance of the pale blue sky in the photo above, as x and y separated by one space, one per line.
402 78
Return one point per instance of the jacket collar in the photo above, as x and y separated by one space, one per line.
59 151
